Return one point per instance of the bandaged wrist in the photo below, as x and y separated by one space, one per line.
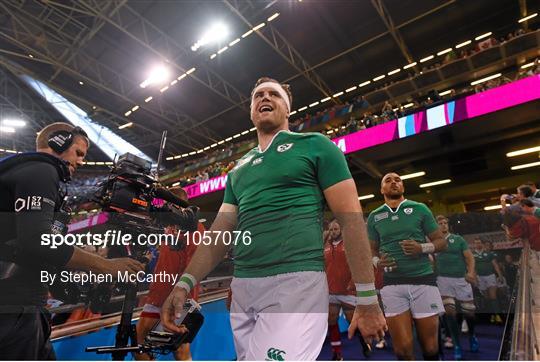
187 281
375 261
428 248
366 294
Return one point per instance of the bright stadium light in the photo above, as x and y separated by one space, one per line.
527 17
365 197
412 175
5 129
523 151
13 123
214 34
158 75
436 183
492 207
526 165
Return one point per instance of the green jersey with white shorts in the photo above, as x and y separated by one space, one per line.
412 285
279 194
451 262
410 221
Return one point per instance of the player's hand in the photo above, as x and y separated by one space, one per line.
411 247
387 263
172 308
471 278
121 265
370 321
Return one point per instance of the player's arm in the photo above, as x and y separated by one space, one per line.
205 259
470 265
342 198
438 240
497 268
437 244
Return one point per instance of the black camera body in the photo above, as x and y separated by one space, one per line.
163 342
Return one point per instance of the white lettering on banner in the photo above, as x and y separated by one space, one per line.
342 145
213 185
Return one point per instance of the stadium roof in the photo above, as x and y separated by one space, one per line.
97 53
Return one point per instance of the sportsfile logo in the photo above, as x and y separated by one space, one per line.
274 354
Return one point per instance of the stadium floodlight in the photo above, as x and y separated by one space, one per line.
523 151
527 18
13 123
158 75
436 183
526 165
5 129
442 52
483 36
412 175
492 207
486 79
214 34
365 197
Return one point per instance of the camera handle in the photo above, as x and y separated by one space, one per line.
126 330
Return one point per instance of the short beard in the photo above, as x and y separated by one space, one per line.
394 196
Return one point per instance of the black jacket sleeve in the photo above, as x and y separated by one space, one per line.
36 195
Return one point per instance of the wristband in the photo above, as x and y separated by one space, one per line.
428 248
187 281
375 261
366 294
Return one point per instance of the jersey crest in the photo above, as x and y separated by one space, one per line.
408 210
284 147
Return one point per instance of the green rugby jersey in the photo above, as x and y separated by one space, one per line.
279 194
451 262
411 221
483 262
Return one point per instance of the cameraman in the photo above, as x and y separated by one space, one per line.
31 202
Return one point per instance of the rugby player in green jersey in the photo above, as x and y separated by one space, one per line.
486 267
456 273
397 231
276 193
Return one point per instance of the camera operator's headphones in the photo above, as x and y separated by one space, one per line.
60 141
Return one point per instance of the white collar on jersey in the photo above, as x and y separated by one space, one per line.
271 141
397 209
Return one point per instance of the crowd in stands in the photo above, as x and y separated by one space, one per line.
362 115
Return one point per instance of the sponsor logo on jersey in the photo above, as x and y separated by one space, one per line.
408 210
30 203
274 354
381 216
242 162
284 147
395 217
257 161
